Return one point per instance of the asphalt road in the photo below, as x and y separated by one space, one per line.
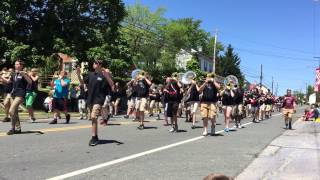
51 151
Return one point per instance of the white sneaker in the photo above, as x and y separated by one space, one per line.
205 133
172 130
239 127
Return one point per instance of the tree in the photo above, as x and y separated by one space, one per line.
33 30
310 90
229 64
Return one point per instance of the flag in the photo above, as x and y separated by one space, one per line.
317 84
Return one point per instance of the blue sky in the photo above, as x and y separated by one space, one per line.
283 35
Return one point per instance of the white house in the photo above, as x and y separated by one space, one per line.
184 56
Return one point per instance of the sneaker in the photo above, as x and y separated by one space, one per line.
193 127
81 117
151 115
33 120
67 118
226 129
141 127
12 131
54 121
213 131
126 116
94 141
6 119
205 133
239 126
158 117
290 127
172 130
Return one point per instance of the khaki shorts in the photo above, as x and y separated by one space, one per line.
262 107
141 104
95 111
208 110
193 106
237 110
268 107
131 103
287 112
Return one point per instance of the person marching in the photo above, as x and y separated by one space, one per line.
98 83
82 98
238 106
208 108
32 93
60 97
193 101
20 80
8 97
172 96
117 98
227 96
142 92
289 107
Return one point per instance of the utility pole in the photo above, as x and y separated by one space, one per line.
214 51
272 85
277 90
261 76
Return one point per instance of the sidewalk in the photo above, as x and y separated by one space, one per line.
293 155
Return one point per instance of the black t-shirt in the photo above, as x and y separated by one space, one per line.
238 98
19 85
8 87
33 87
83 94
227 99
194 94
173 94
98 88
142 88
209 93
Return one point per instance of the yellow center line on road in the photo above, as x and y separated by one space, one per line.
69 128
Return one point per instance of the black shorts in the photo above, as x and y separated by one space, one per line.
172 109
59 104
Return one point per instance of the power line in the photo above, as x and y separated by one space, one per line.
275 56
269 44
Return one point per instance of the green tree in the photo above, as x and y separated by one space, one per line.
229 64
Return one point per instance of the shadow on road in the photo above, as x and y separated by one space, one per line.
103 141
32 132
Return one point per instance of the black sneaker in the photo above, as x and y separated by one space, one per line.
67 118
54 121
150 115
94 141
17 131
126 116
11 132
6 119
141 127
33 120
193 127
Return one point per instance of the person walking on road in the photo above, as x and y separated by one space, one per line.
289 107
32 91
60 97
20 80
208 108
227 103
98 84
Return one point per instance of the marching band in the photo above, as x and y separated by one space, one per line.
180 92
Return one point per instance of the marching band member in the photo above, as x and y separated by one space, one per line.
238 106
193 100
289 107
227 102
209 90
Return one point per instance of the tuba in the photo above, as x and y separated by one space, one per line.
188 77
231 81
135 73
